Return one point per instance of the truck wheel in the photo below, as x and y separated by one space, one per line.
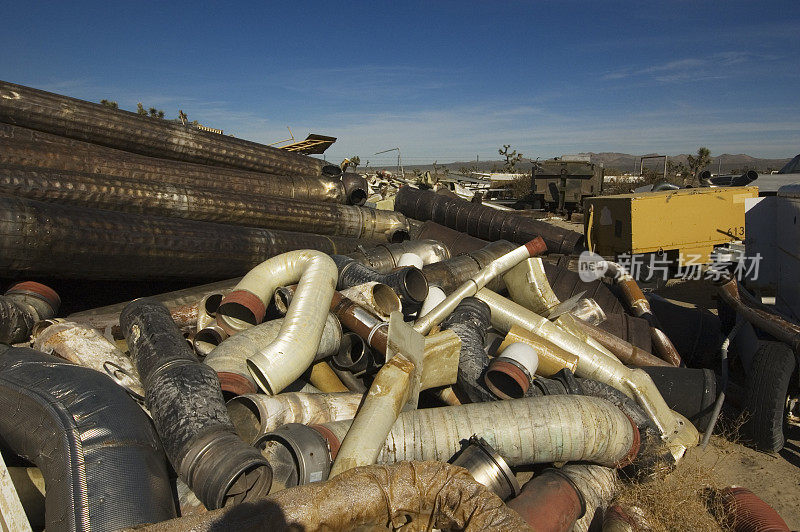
767 389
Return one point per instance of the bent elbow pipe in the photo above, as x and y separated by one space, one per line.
189 413
470 321
22 306
304 323
408 282
229 358
356 188
100 457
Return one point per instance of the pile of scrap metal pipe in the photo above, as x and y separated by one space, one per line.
335 373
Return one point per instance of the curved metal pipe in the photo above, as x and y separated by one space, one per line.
408 282
229 358
22 306
73 242
25 147
91 122
355 188
550 501
286 358
484 222
189 412
100 457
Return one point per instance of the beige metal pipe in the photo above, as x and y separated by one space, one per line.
526 431
378 298
678 433
282 361
87 347
325 379
257 414
497 267
229 358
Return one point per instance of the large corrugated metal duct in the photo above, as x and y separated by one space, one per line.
73 242
26 147
78 119
484 222
100 191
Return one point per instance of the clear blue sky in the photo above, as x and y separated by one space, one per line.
441 80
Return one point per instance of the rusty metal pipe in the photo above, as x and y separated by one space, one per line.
780 329
550 501
484 222
72 242
625 351
91 122
640 307
25 147
187 201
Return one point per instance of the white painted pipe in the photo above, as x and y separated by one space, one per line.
410 259
282 361
435 296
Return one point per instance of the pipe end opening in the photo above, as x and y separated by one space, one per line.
415 284
506 380
386 299
401 235
357 197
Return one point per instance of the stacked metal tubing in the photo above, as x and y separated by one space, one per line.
24 147
484 222
64 241
96 123
100 191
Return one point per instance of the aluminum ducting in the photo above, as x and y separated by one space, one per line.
456 241
25 147
189 413
413 495
588 429
91 122
451 273
22 306
283 360
102 462
484 222
99 191
229 358
72 242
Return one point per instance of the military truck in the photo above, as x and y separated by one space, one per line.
561 184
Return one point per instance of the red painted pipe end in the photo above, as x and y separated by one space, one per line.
750 513
634 450
333 442
242 305
536 247
506 380
235 384
38 290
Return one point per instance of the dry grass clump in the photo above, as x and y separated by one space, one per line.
684 499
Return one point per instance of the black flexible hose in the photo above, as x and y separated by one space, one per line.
408 281
470 321
185 400
101 459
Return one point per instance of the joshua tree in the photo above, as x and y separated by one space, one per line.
702 160
512 158
110 104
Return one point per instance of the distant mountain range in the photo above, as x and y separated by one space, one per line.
625 162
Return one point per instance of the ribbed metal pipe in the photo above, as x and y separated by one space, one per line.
25 147
96 123
100 191
71 242
484 222
588 429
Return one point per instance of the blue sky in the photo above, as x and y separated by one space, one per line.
442 80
